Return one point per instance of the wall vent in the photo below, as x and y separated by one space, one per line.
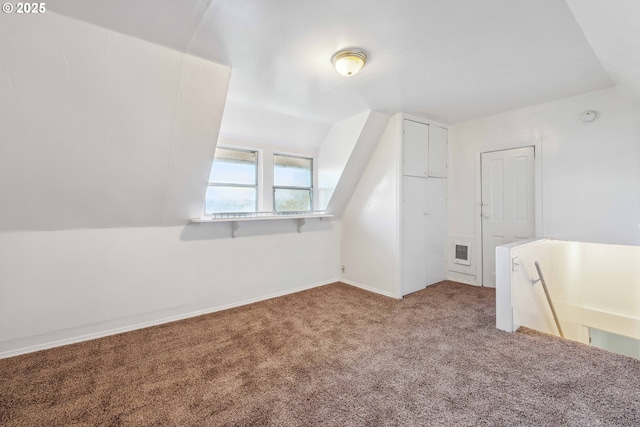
462 253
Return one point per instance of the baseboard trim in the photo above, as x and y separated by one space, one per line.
369 288
467 279
114 331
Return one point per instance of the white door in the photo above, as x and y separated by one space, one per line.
415 149
507 203
423 232
437 152
436 219
414 234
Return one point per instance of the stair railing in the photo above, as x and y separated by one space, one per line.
546 292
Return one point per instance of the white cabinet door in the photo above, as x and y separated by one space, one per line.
414 234
437 152
436 229
415 149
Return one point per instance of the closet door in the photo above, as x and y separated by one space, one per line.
415 218
437 152
424 201
436 229
415 149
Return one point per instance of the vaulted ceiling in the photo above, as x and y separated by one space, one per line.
613 30
447 60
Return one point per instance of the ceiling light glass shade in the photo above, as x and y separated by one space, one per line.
348 62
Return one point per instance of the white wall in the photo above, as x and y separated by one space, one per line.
106 144
590 171
604 280
518 301
334 153
370 223
357 161
62 286
591 285
342 157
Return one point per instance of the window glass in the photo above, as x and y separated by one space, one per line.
293 183
233 182
292 200
292 171
230 199
234 167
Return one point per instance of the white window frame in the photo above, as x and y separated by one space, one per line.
282 187
257 185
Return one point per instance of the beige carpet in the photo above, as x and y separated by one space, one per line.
334 355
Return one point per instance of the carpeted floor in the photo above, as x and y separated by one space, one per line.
334 355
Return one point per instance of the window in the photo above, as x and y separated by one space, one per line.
293 183
233 183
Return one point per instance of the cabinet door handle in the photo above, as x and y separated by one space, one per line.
426 213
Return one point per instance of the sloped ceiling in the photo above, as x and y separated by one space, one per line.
100 129
613 30
266 127
451 61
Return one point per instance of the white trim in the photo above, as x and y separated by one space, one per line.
399 227
467 279
584 334
114 331
610 322
504 302
370 289
537 166
424 121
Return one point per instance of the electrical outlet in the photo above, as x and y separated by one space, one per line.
343 268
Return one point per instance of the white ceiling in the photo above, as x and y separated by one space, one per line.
259 127
613 30
450 60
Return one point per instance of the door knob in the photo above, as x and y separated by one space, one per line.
426 213
484 214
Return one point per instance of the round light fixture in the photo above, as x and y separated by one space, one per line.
349 61
589 116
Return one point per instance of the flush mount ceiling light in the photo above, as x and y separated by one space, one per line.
349 61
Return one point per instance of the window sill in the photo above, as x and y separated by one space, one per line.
301 218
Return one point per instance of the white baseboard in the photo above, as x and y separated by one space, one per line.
369 288
467 279
47 342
